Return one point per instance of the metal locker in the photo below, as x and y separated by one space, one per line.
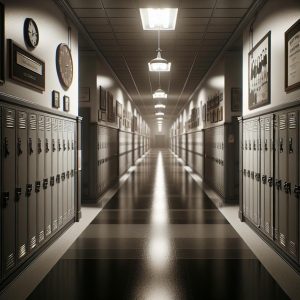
47 176
281 198
8 225
263 148
292 180
31 180
54 172
60 171
72 169
245 169
21 183
40 178
69 168
64 171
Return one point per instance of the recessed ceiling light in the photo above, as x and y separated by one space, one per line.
159 106
159 94
159 18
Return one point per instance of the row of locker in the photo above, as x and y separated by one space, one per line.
271 178
38 181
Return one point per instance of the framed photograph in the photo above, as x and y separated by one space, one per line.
66 103
110 108
103 116
292 57
204 112
259 68
84 94
103 95
119 109
236 99
55 99
2 39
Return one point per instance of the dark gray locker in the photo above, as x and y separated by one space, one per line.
69 167
31 180
1 176
47 176
64 171
60 171
8 227
54 172
21 183
245 170
72 169
281 198
39 179
293 200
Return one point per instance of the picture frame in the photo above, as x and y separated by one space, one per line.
66 103
2 40
259 73
84 94
103 99
119 109
236 99
292 57
110 108
55 99
204 112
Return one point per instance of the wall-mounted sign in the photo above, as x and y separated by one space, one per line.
66 103
26 68
259 67
292 57
55 99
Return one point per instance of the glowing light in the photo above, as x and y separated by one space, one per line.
159 94
160 113
159 64
159 106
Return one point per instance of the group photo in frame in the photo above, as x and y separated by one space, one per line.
292 57
259 68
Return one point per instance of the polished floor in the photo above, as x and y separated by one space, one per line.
159 238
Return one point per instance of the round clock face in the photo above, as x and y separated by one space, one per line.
31 33
64 64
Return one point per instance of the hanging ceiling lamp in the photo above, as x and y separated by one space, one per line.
160 113
162 106
159 93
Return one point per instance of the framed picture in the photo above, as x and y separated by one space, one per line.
66 103
102 103
110 108
292 57
2 38
119 109
84 94
204 112
55 99
259 68
236 99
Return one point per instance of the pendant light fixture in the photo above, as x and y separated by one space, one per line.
159 64
159 93
159 105
160 113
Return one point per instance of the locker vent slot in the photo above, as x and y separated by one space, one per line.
282 122
48 124
41 236
48 230
60 125
10 119
282 239
54 124
41 123
22 120
292 248
60 221
267 124
10 262
32 242
292 121
54 225
22 251
267 227
32 122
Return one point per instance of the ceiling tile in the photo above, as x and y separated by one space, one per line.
195 13
234 3
227 13
119 3
197 4
224 21
123 13
91 13
98 28
85 4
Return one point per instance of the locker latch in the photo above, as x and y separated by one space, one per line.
270 181
59 146
6 151
18 194
30 146
37 186
39 146
257 176
64 145
254 145
57 178
287 187
69 145
46 146
19 147
246 146
297 190
63 176
5 197
248 173
45 183
264 179
68 174
278 184
72 173
244 172
52 181
53 146
252 174
266 145
249 145
291 145
281 146
28 190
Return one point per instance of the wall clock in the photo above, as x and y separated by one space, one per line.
31 33
64 65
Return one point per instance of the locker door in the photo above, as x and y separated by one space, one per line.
69 168
72 169
64 171
8 191
263 158
54 172
21 182
60 171
46 182
39 179
245 169
31 176
99 150
293 201
256 171
281 199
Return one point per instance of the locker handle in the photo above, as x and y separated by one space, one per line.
64 145
248 173
45 183
252 174
28 190
278 184
291 145
59 145
37 186
244 172
69 146
264 179
281 146
63 176
257 176
5 197
72 173
270 181
297 190
58 178
39 146
68 174
249 145
254 145
53 146
246 146
46 146
19 147
30 146
6 151
266 145
18 194
287 187
52 181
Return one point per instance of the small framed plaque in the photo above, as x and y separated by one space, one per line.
66 103
55 99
